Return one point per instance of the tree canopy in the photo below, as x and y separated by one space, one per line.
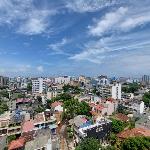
89 144
117 126
136 143
146 98
131 88
71 89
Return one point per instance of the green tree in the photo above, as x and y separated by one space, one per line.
29 86
136 143
117 126
89 144
146 98
3 107
4 93
11 138
131 88
83 109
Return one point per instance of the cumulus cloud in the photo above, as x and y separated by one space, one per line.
24 16
107 22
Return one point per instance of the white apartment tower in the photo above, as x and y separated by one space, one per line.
116 90
38 85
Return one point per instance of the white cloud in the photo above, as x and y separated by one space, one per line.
92 52
99 51
25 17
121 20
107 22
57 46
82 6
133 22
40 68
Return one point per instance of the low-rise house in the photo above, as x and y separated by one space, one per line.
133 133
127 96
122 117
105 107
57 106
18 144
83 127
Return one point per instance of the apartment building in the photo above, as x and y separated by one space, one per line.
84 128
38 85
62 80
111 90
53 91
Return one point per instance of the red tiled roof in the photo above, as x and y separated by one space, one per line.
122 117
56 103
28 126
23 100
133 133
15 144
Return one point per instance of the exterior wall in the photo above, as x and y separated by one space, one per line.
38 85
110 108
141 107
58 108
63 80
100 132
51 94
116 91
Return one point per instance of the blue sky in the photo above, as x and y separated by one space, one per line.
72 37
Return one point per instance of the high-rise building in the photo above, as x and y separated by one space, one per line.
38 85
146 79
116 90
4 81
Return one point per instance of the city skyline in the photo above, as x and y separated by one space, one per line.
72 37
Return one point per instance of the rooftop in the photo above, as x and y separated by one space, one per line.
23 100
39 118
133 133
28 126
56 103
122 117
40 140
16 144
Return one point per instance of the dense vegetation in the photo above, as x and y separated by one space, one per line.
146 99
3 107
117 126
71 106
3 104
130 88
89 144
136 143
71 89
